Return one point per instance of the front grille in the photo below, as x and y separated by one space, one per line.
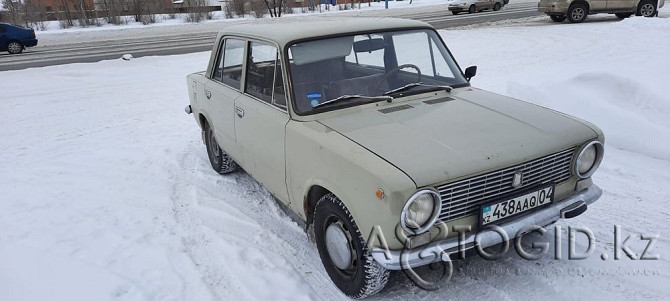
464 197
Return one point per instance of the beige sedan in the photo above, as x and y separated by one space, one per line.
371 136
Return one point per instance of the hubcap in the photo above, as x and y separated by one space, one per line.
213 146
647 10
14 47
577 14
338 246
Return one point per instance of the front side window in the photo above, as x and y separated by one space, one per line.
368 65
263 78
229 67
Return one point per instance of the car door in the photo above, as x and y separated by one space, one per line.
221 91
483 4
598 5
3 36
621 5
261 118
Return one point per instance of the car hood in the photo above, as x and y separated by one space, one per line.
472 132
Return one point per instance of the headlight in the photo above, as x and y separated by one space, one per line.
589 159
421 211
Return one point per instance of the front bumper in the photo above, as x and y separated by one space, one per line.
458 8
565 208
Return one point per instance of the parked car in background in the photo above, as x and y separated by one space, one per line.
367 127
473 6
576 11
14 39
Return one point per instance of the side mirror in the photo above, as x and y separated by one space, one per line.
470 72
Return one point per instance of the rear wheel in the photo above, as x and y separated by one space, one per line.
557 18
623 15
221 162
473 9
646 8
577 13
497 7
343 251
14 47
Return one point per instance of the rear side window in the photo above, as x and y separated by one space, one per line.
263 78
229 67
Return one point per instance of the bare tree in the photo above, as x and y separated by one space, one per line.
150 9
15 9
85 15
258 8
196 11
136 8
37 14
239 7
111 11
65 16
274 7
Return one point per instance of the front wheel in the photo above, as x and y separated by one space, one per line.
343 251
221 162
557 18
14 47
646 8
497 7
473 9
577 13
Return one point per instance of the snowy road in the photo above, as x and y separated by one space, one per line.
199 37
107 193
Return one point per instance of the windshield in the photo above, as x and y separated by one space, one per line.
368 65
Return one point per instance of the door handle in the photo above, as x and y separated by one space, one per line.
239 112
208 94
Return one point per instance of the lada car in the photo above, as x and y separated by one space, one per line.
370 134
576 11
473 6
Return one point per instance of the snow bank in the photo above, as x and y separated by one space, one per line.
612 74
108 194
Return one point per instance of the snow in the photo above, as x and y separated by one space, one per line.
218 16
107 193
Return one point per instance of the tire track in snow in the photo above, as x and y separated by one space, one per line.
236 216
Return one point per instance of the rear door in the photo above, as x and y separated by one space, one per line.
621 5
221 91
3 36
598 5
261 118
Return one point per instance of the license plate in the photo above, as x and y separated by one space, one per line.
501 210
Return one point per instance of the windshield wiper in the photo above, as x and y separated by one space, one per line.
347 96
412 85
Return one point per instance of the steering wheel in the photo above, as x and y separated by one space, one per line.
396 69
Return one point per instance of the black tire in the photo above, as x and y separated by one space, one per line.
363 276
221 162
497 6
455 12
623 15
472 9
557 18
577 13
647 8
14 47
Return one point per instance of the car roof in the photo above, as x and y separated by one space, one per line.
286 30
